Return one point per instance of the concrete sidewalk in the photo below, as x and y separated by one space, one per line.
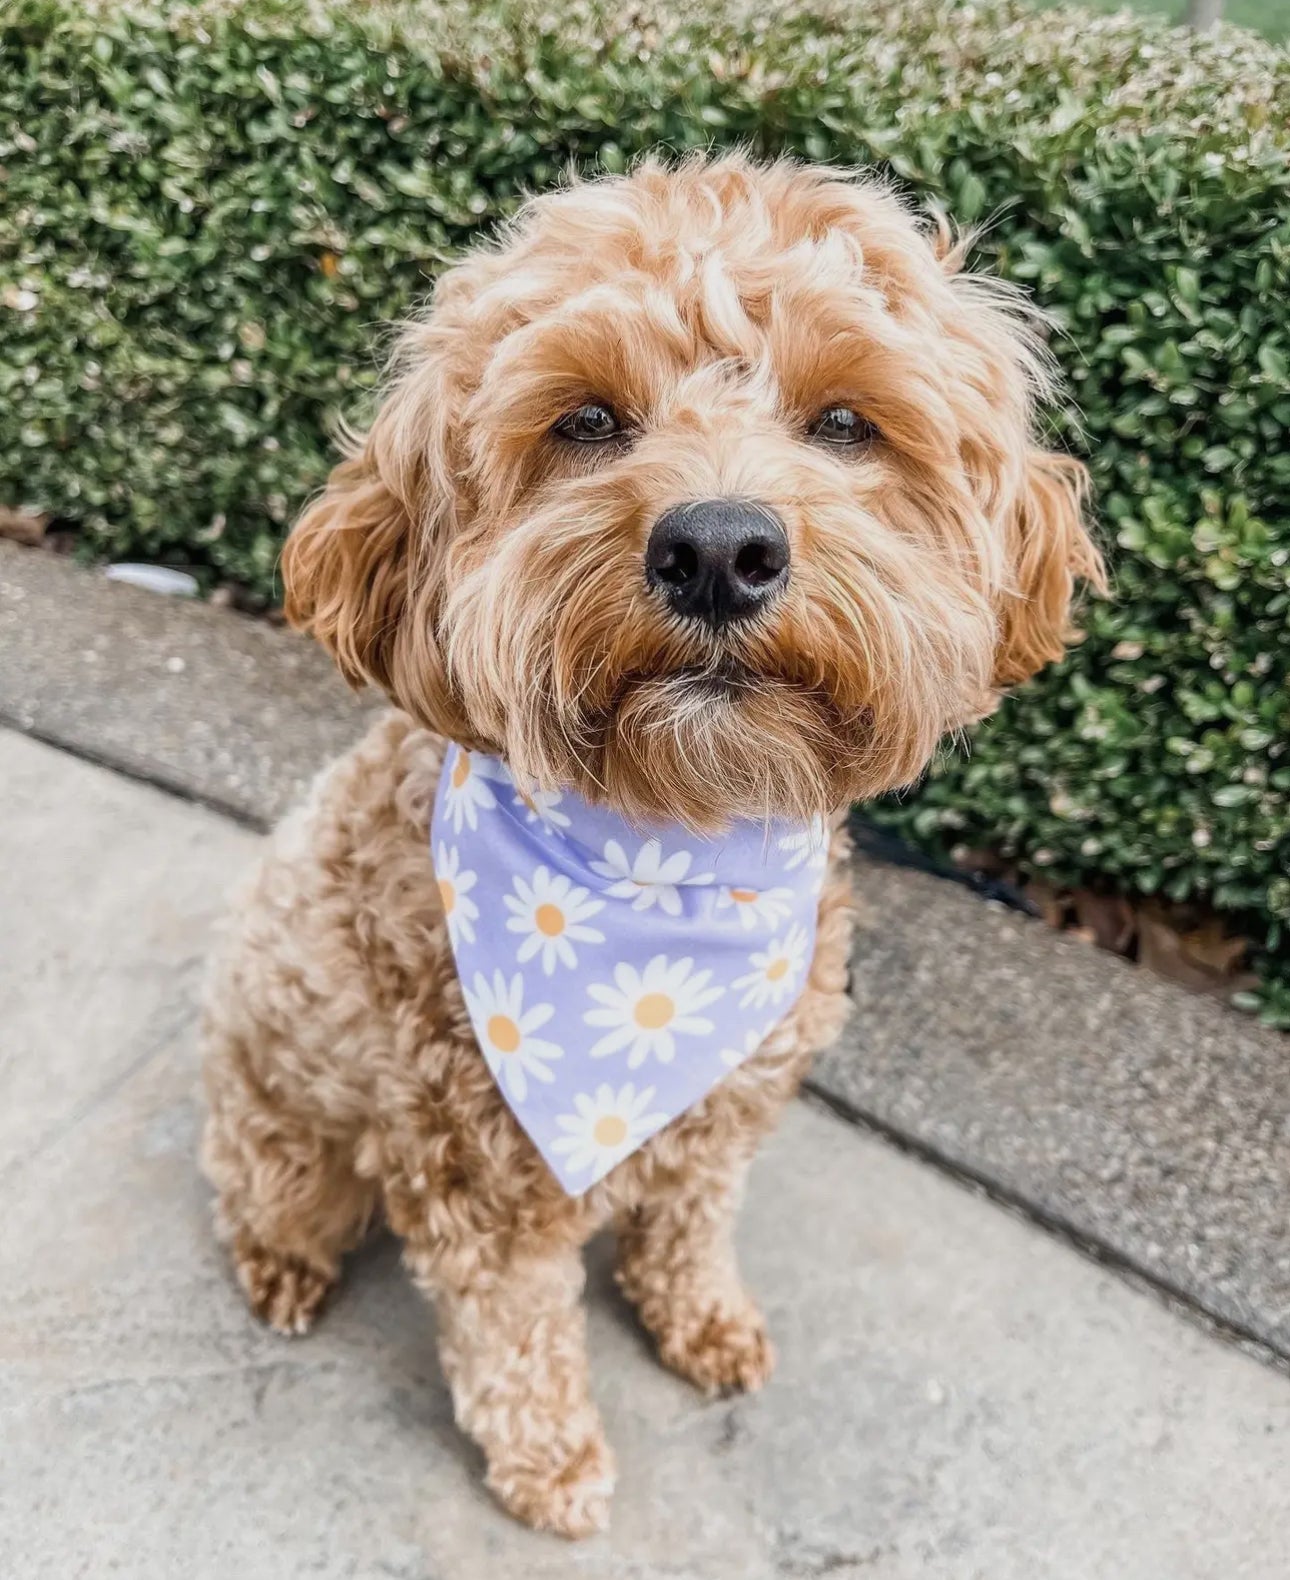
1149 1124
959 1394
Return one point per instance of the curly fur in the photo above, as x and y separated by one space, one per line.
489 579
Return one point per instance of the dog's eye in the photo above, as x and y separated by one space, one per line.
590 424
841 426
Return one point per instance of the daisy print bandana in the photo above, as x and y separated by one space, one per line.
614 975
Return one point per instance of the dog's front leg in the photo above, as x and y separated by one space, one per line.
676 1264
512 1339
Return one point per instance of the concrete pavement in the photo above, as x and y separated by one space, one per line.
959 1394
231 711
1149 1123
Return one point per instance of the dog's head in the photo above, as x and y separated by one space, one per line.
711 491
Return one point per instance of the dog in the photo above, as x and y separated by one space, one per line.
708 497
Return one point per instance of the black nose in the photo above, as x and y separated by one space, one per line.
718 560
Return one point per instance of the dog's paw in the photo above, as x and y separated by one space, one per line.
569 1496
724 1351
284 1291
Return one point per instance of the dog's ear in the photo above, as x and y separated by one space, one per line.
1049 550
1047 547
362 567
345 569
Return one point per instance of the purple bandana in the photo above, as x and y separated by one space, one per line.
614 976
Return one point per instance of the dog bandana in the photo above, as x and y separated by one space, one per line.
613 976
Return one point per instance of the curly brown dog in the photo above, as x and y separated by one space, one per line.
719 331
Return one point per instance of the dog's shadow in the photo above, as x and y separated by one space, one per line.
377 1319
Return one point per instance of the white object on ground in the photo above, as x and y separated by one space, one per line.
156 578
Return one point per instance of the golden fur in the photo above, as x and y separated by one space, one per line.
489 578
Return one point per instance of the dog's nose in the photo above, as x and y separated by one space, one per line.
718 560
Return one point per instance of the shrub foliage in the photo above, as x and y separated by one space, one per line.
209 211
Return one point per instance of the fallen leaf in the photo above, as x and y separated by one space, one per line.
1203 958
1108 917
1210 945
1048 900
23 526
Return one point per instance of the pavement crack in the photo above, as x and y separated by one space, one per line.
814 1563
168 1027
261 1373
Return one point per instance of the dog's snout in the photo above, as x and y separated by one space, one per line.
718 560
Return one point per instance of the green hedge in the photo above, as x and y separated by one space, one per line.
208 213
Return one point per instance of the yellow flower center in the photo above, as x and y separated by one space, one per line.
743 896
777 969
610 1131
461 770
549 919
503 1033
448 894
653 1011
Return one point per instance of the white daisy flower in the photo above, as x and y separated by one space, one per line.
466 792
606 1128
459 909
809 845
542 806
648 878
776 970
505 1031
757 907
646 1010
733 1057
552 912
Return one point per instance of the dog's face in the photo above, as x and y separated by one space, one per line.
711 492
